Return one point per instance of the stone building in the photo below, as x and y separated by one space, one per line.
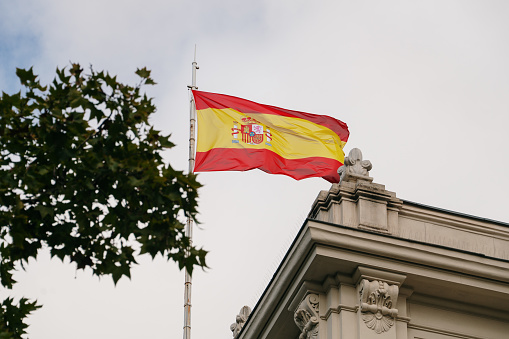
367 264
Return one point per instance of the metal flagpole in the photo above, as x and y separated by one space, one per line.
189 225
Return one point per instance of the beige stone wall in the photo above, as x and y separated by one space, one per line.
426 225
429 322
368 265
369 206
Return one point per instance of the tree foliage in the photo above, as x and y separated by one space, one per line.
81 173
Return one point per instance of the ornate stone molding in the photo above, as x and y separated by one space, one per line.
306 317
240 320
355 169
377 301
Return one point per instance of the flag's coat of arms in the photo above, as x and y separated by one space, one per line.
252 131
237 135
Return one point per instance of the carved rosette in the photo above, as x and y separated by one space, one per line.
240 320
306 317
377 301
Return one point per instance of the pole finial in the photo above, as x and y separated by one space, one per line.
195 67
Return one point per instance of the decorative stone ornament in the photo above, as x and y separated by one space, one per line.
377 301
355 168
306 317
240 320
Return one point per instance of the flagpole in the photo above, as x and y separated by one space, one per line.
189 225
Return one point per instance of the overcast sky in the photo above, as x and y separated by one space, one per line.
422 85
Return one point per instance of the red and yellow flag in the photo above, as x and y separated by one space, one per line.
238 135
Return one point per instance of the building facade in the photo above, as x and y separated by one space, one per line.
368 265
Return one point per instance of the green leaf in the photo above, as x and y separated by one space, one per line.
26 75
143 73
44 210
165 142
12 316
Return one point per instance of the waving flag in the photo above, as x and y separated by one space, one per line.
235 134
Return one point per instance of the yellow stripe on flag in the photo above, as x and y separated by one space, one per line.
291 138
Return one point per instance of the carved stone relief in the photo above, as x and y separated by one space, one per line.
240 320
306 317
377 301
355 168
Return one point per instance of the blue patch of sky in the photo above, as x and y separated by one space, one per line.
17 50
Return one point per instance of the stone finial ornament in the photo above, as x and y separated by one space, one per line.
240 320
306 317
355 169
377 301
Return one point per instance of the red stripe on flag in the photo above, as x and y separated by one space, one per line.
205 100
228 159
